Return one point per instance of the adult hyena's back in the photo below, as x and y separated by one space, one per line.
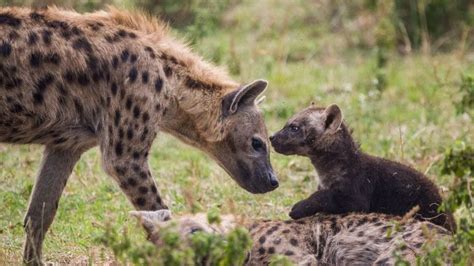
52 78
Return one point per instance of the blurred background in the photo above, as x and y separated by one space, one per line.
402 71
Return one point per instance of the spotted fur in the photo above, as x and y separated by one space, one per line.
322 239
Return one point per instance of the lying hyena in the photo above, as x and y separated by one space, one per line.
350 239
114 79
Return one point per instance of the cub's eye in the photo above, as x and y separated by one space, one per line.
257 144
294 128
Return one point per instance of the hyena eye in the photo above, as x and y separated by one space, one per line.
294 128
257 144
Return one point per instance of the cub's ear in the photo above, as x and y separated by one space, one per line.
150 219
246 95
333 116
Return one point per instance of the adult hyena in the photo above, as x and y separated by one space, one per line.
71 82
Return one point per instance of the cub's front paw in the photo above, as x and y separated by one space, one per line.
302 209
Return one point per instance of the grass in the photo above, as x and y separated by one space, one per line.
413 120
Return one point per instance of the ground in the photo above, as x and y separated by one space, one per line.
411 119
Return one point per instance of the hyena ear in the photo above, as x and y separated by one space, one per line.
150 219
243 96
333 118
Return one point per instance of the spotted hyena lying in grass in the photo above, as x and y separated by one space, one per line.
342 239
113 79
351 180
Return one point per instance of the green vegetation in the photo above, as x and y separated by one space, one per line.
411 105
201 248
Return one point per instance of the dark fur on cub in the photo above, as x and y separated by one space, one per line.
350 180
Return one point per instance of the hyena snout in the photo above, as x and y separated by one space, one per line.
264 179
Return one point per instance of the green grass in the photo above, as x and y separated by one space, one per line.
412 120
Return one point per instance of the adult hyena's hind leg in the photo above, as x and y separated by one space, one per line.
56 167
125 158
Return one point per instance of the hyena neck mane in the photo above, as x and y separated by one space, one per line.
194 87
337 156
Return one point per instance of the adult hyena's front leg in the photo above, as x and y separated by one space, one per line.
125 156
56 167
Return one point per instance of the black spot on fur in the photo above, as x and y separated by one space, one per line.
133 58
132 75
16 108
136 155
117 117
362 221
129 133
262 239
119 149
13 35
136 112
143 175
145 117
271 250
143 190
132 182
5 49
261 251
40 87
289 253
121 133
122 33
83 79
115 62
36 59
82 44
128 103
46 36
141 201
79 108
32 38
168 71
114 88
94 26
76 31
53 58
132 35
294 242
145 77
36 16
124 56
10 20
120 170
59 140
69 76
158 85
193 84
14 82
153 189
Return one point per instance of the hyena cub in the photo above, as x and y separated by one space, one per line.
349 179
350 239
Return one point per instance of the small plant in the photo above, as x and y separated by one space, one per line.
467 91
200 249
458 162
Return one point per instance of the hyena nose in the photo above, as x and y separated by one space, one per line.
273 180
